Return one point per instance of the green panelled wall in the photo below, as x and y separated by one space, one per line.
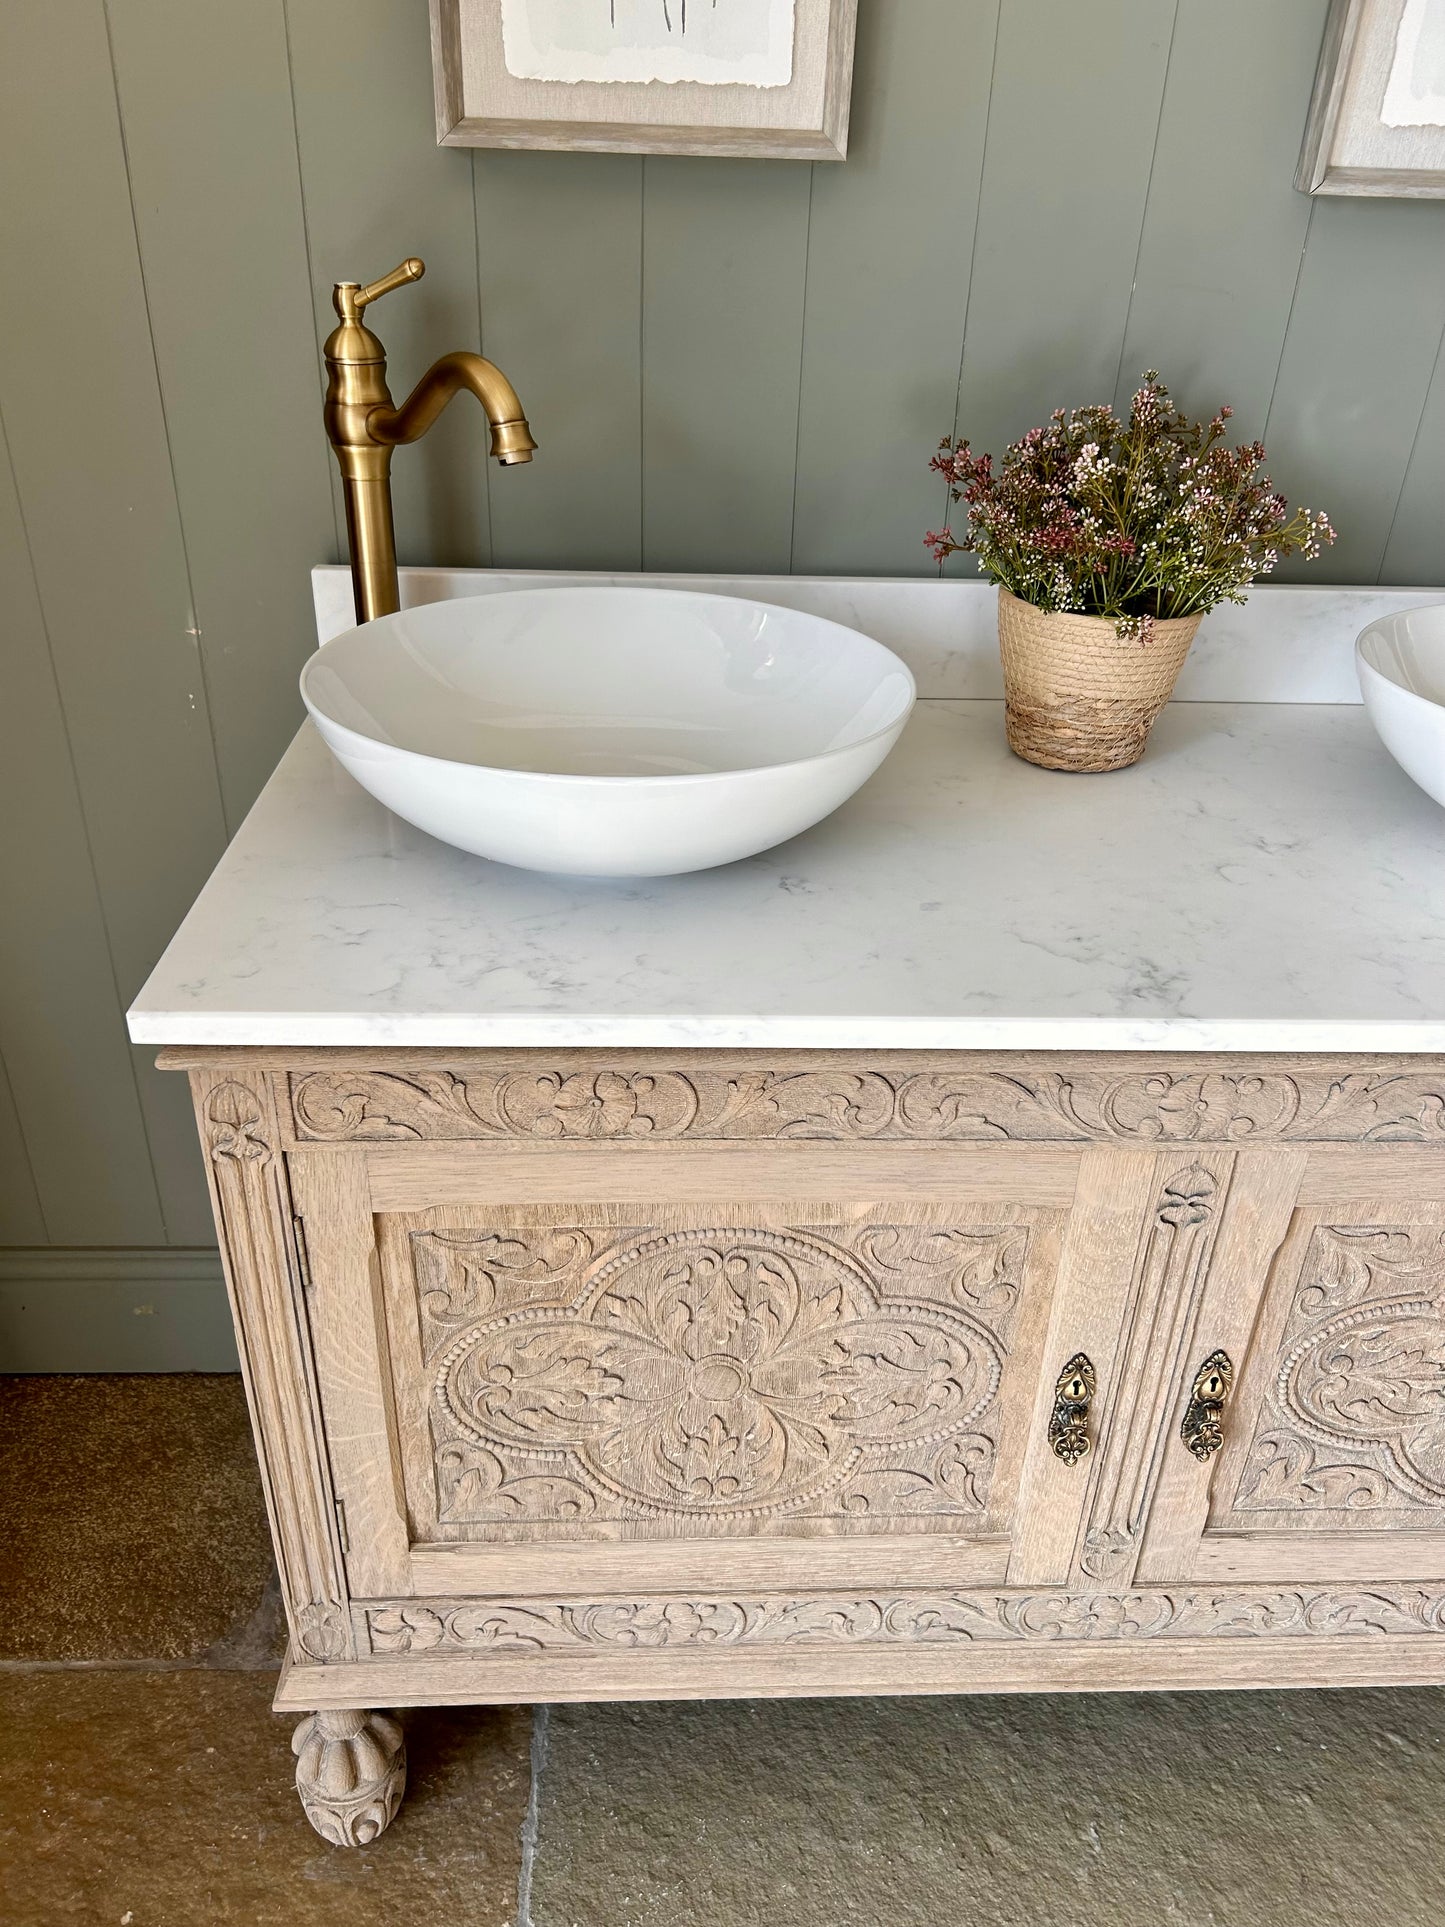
730 365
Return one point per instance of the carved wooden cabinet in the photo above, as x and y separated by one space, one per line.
677 1375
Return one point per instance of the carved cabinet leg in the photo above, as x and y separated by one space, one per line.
350 1773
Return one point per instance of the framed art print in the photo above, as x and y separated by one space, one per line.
1377 120
761 78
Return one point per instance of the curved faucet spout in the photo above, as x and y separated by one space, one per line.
364 426
511 438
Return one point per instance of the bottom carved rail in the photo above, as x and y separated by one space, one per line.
440 1626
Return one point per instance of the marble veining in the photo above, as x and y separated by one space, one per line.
1266 879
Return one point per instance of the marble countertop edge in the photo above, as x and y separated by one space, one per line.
1264 881
333 1030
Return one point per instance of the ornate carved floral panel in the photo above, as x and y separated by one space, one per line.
1351 1428
589 1379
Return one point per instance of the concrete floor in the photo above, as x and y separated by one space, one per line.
145 1783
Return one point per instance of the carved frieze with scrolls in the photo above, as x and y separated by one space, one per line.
631 1102
524 1626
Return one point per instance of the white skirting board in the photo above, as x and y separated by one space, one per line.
114 1310
1290 643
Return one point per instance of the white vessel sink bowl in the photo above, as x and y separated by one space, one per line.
1401 664
608 731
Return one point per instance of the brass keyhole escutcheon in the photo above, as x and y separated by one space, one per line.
1069 1421
1203 1427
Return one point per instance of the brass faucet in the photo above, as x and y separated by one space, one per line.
364 427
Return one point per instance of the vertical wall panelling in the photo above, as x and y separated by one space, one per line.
376 188
1362 341
889 245
205 98
175 1156
724 253
1415 551
1224 228
729 365
61 1024
83 413
22 1222
559 251
1072 124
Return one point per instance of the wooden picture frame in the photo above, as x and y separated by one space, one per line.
531 73
1377 117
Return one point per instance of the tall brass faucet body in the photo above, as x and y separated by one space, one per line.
364 427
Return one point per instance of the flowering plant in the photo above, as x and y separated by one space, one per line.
1139 520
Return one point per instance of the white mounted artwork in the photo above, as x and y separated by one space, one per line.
718 43
764 78
1415 91
1377 120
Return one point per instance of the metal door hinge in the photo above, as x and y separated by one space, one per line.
303 1259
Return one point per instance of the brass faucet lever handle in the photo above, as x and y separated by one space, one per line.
411 269
348 299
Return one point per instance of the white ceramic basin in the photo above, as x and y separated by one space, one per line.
1401 664
608 731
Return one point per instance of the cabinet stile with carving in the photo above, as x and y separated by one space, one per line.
703 1373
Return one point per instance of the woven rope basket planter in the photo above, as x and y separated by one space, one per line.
1076 696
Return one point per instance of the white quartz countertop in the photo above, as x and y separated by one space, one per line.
1266 879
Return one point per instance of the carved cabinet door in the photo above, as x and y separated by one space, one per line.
571 1368
919 1350
1305 1441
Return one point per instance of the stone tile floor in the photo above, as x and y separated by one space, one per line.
1145 1810
145 1783
144 1779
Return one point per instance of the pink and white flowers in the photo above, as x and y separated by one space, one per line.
1140 520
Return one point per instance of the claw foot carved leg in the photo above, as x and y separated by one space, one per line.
350 1773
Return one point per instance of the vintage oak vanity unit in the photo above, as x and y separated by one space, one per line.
598 1347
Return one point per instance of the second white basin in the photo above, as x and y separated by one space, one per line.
1401 664
608 731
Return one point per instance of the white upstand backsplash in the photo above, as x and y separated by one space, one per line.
1287 644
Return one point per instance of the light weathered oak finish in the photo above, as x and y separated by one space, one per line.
1338 1429
688 1374
1098 1262
350 1774
1261 1200
768 1371
250 1195
1255 1637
